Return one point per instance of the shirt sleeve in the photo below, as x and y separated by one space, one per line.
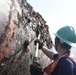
65 67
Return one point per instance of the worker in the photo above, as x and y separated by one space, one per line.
64 63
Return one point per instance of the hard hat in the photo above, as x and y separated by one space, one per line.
67 34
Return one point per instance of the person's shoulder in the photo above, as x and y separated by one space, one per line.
65 60
66 66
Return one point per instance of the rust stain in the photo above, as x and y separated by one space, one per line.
6 45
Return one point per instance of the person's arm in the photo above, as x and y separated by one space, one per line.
48 52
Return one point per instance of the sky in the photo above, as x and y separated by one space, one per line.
57 13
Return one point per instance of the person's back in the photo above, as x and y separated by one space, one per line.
65 66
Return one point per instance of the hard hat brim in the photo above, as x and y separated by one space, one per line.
68 42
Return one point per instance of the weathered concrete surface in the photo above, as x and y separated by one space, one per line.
7 28
18 22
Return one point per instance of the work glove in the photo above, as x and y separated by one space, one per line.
36 69
40 43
